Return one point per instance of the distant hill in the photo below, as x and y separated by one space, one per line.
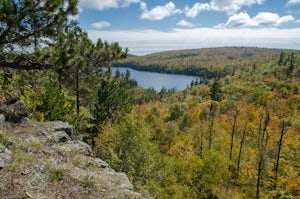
205 62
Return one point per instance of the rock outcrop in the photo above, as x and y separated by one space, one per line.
5 156
43 160
13 110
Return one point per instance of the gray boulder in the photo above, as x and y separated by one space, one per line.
39 176
60 136
75 146
5 156
102 164
2 163
61 126
14 111
53 165
2 118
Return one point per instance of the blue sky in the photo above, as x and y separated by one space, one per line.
147 26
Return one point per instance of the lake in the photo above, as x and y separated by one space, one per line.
157 81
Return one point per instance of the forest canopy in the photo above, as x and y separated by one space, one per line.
234 135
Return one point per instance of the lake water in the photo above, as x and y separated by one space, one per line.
157 81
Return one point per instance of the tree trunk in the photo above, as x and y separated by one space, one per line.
201 145
259 172
261 153
59 73
201 141
283 125
232 133
212 117
240 149
77 91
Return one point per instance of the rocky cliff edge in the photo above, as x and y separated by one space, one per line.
43 160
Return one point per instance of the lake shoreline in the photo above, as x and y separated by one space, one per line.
155 69
158 81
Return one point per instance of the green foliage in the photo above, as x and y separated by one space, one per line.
206 63
6 141
176 111
170 144
215 90
57 174
114 100
163 144
48 103
281 195
7 88
30 24
259 96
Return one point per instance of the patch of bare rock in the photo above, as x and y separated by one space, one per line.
43 160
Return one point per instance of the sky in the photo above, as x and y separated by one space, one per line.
148 26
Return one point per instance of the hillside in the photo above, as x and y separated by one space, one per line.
235 135
205 62
40 160
69 129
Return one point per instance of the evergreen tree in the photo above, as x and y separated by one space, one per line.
281 58
114 100
27 23
291 67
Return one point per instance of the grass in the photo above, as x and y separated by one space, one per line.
87 181
27 145
17 160
79 162
57 174
6 141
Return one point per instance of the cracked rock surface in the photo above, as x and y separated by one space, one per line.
43 160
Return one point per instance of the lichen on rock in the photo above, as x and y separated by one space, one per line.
5 156
47 162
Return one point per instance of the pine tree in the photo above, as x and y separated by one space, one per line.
26 24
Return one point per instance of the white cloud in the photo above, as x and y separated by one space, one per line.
127 3
105 4
265 19
100 25
221 4
229 6
143 6
196 9
98 4
285 20
261 19
237 20
292 2
159 12
298 21
184 23
149 41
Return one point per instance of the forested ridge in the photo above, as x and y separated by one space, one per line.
234 135
205 62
